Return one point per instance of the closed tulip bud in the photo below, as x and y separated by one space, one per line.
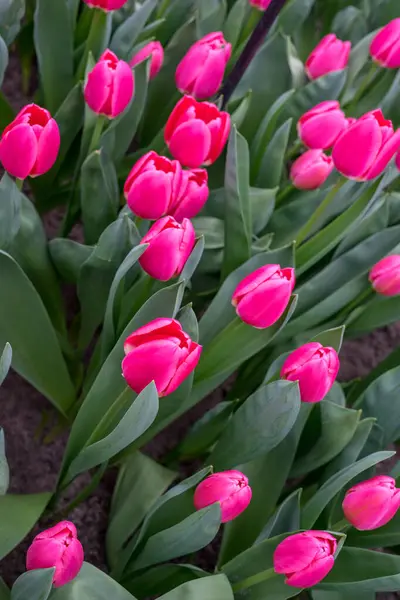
367 146
321 126
57 547
372 503
196 132
110 86
156 51
314 367
30 144
262 297
170 245
201 71
161 352
331 54
194 197
230 488
106 5
260 4
385 276
311 170
385 47
305 558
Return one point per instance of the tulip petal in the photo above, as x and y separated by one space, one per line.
191 143
70 564
123 88
18 151
185 368
295 553
322 130
211 75
184 108
253 280
265 305
233 506
150 194
161 259
357 149
312 575
219 136
159 327
385 156
190 67
48 148
98 87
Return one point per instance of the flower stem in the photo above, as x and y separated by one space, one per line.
98 128
341 525
254 580
19 183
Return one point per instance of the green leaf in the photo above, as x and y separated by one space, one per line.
161 579
3 59
35 585
5 362
215 587
53 39
5 593
11 15
273 161
285 519
331 337
210 16
126 35
293 15
41 363
342 595
259 425
234 22
206 430
262 207
91 584
359 56
10 208
378 312
4 470
68 257
240 112
18 515
383 537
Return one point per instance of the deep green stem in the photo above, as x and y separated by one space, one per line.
294 150
341 525
98 128
85 493
254 580
19 183
284 194
356 302
363 87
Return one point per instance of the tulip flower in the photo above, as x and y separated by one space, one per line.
106 5
161 352
170 245
194 197
385 47
57 547
260 4
315 367
230 488
372 503
385 276
331 54
320 127
30 144
156 51
262 297
311 170
110 86
305 558
365 149
201 71
196 132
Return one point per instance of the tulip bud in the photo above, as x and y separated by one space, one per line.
331 54
311 170
372 503
385 47
385 276
110 86
314 367
156 51
161 352
260 4
170 245
30 144
320 127
262 297
194 197
305 558
201 71
106 5
196 132
230 488
57 547
367 146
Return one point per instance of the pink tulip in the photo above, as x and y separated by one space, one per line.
261 298
156 51
311 170
57 547
321 126
161 352
170 245
314 367
230 488
331 54
365 149
194 197
201 71
106 5
110 86
385 276
30 144
196 132
385 47
372 503
260 4
305 558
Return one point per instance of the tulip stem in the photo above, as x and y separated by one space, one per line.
19 183
321 210
254 580
284 194
97 131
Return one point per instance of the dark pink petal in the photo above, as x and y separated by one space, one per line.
18 151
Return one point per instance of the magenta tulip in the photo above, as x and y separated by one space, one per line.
305 558
385 47
57 547
161 352
110 86
196 132
30 144
372 503
106 5
311 170
385 276
230 488
314 367
170 245
194 197
156 51
260 4
331 54
365 149
320 127
201 71
262 297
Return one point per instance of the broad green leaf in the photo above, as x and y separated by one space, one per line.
234 21
91 584
206 430
35 585
262 203
4 470
161 579
11 15
358 58
273 161
5 362
285 519
3 59
210 16
293 15
377 312
331 337
126 35
350 24
68 257
5 593
383 537
215 587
